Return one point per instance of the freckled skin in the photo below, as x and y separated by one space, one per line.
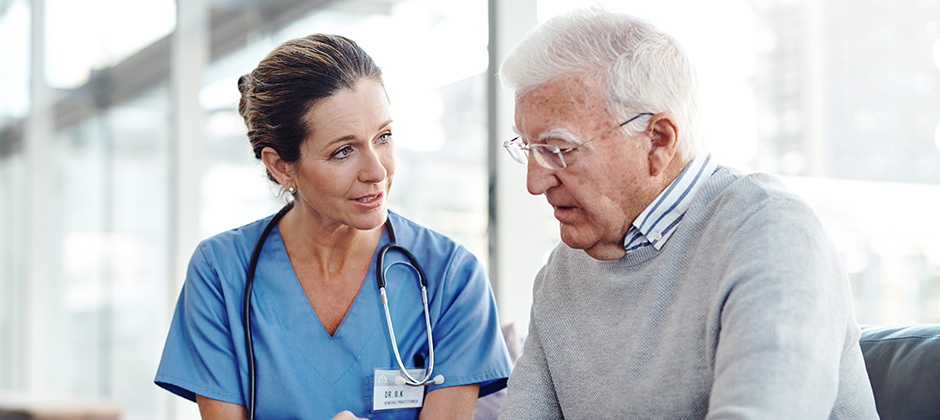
608 182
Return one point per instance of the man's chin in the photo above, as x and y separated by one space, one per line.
593 246
569 235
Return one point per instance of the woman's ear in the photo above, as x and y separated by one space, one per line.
282 171
664 139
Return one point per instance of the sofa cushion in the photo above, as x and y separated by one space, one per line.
903 365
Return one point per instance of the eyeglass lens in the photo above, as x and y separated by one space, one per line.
548 156
516 151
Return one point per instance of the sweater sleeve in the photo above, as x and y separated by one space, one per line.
783 319
531 393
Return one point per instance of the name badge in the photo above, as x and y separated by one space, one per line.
387 396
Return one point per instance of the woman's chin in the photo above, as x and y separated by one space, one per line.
373 220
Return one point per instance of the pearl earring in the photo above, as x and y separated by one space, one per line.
290 190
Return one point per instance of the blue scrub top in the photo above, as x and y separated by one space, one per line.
303 372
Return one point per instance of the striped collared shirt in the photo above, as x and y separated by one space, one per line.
659 220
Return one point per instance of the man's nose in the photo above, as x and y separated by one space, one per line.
539 178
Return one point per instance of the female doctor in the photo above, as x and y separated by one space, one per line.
320 343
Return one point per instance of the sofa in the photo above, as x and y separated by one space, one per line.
903 365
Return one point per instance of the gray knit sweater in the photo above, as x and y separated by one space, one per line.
745 313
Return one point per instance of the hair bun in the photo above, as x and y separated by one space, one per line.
244 82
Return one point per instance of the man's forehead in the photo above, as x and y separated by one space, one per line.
565 90
560 99
560 109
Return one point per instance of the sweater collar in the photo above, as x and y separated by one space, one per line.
658 221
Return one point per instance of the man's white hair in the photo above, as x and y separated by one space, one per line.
642 68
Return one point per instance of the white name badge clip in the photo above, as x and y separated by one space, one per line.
387 396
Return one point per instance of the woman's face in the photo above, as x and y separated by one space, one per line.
347 163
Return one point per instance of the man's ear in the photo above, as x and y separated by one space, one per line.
279 168
664 142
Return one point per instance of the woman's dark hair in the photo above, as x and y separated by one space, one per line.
277 95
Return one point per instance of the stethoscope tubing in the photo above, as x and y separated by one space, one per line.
392 245
391 331
246 312
380 279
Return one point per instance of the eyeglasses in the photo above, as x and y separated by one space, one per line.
549 155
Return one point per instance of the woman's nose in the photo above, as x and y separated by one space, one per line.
373 169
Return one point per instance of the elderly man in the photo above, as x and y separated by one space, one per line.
682 289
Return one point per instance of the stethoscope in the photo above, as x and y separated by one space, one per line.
405 378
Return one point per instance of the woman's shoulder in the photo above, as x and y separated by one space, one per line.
457 268
427 243
407 230
240 238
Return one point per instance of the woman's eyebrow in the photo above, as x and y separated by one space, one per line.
343 139
352 137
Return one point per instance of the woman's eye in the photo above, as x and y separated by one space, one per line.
342 153
385 138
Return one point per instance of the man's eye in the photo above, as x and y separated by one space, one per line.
561 144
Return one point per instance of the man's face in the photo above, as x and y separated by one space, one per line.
606 183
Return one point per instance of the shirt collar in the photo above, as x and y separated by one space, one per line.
658 221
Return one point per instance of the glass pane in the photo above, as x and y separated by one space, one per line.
92 34
109 275
78 294
894 266
11 266
234 188
14 54
138 265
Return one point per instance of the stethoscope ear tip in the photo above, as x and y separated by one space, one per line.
439 379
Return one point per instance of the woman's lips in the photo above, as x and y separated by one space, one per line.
370 201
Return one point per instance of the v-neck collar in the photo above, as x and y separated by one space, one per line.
283 295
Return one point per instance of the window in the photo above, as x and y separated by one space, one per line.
89 35
14 53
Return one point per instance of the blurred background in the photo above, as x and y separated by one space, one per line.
121 147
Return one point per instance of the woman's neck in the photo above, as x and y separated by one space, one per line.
312 241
